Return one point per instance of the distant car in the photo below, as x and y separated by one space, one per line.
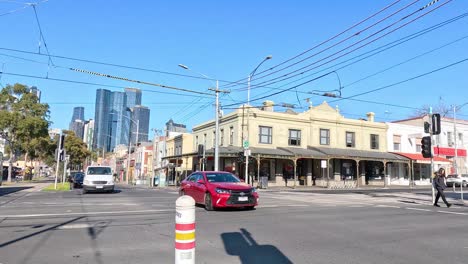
457 180
98 178
218 189
77 179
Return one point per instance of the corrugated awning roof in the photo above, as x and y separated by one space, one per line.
360 154
306 153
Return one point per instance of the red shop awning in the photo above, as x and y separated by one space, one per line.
449 152
420 159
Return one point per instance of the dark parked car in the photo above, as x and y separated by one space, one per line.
77 179
216 189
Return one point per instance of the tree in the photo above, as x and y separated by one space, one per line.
76 149
22 119
441 108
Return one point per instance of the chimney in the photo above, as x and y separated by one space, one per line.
370 116
268 106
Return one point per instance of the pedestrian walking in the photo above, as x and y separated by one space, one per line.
285 177
439 185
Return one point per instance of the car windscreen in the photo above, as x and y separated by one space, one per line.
221 177
99 171
79 176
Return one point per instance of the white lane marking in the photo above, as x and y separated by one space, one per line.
268 206
447 212
173 192
75 226
89 213
418 209
356 206
387 206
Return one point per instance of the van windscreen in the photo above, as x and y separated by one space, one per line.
99 171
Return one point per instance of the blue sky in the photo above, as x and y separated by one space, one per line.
226 40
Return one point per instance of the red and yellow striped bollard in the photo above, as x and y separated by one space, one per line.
185 230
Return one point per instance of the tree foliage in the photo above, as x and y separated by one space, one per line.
75 148
23 118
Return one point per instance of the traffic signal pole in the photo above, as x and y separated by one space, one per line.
431 132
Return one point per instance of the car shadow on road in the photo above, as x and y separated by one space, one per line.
249 251
7 190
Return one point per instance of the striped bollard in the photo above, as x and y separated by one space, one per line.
185 230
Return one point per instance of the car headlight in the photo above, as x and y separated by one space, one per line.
86 182
254 190
218 190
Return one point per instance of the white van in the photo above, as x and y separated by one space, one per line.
98 178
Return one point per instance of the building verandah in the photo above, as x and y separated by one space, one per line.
325 167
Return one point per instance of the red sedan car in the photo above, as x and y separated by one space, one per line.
216 189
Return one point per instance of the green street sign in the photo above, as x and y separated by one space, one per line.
246 144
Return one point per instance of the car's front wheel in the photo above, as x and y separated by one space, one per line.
208 202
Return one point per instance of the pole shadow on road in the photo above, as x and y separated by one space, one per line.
249 251
8 190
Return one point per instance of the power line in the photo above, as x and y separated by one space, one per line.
95 84
141 82
275 80
113 65
41 34
404 81
373 52
336 44
241 81
405 61
378 89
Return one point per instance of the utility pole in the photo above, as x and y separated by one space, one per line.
455 164
216 154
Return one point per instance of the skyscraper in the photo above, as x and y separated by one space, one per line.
78 113
78 128
77 121
101 139
142 114
133 97
119 135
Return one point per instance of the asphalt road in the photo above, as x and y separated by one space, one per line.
137 226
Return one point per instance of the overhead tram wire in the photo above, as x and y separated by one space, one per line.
321 43
373 52
343 98
95 84
359 33
25 5
140 82
405 61
376 50
404 81
275 80
41 34
112 65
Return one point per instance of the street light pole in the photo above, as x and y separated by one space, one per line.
217 91
246 140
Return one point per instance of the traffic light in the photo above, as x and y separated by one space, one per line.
60 148
427 127
240 157
201 150
426 147
435 124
